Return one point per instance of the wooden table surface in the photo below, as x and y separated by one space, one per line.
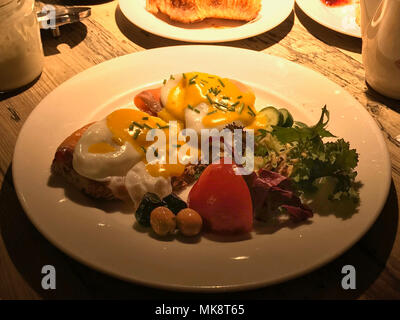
108 34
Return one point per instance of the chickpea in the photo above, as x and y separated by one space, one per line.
163 221
189 222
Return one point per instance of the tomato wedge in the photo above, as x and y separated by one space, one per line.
223 200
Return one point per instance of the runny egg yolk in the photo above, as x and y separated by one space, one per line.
130 125
228 100
101 147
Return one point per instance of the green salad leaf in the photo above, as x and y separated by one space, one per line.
313 159
301 132
310 158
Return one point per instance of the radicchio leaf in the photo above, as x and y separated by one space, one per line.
272 191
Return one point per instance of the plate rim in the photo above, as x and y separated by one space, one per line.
121 5
180 287
300 3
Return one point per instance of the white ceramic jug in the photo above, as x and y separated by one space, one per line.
380 27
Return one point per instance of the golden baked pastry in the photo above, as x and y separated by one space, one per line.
188 11
358 12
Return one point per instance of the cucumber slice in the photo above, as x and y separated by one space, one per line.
274 117
287 118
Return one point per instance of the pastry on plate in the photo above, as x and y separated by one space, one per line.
189 11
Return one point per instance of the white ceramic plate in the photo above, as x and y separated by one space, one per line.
272 13
341 19
102 236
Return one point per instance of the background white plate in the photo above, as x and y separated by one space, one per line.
272 13
341 19
102 236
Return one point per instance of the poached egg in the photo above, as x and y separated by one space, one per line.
205 101
112 146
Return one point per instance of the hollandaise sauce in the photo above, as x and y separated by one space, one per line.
132 126
228 100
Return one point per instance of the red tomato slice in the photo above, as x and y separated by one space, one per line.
223 200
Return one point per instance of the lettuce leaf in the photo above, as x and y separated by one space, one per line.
301 132
312 158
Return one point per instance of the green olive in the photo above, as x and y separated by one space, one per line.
163 221
189 222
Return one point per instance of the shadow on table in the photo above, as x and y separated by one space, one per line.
150 41
29 251
71 34
15 92
330 37
376 96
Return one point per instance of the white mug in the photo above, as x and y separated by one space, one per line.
380 27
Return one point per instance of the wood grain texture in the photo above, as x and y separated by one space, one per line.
108 34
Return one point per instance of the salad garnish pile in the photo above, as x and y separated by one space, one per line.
302 155
290 158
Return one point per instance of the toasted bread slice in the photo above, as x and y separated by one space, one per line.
62 166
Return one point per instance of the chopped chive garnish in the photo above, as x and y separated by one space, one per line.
176 145
164 127
241 108
147 126
252 114
221 104
226 98
235 104
191 80
144 149
220 81
202 80
184 76
193 109
220 108
137 124
202 84
158 125
145 118
240 97
209 99
137 132
131 127
251 110
212 112
231 109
